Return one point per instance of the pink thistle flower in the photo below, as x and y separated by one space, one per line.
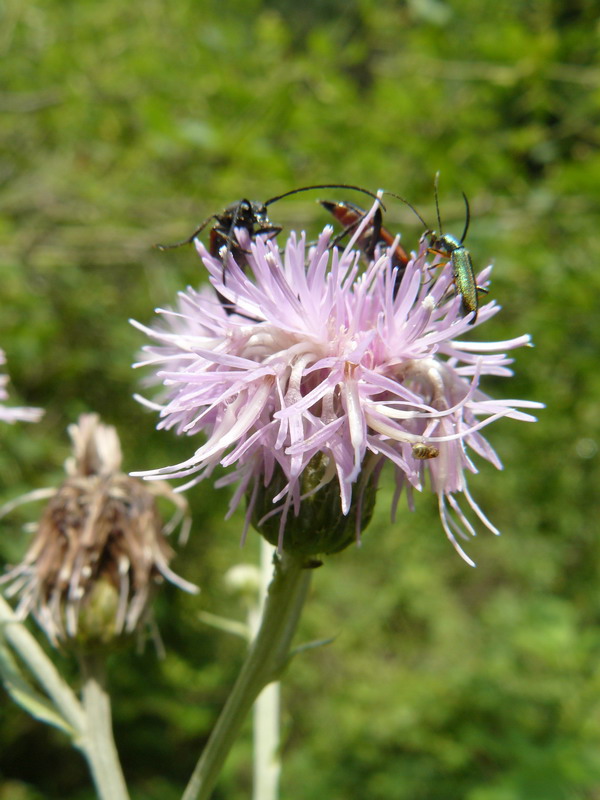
325 360
16 414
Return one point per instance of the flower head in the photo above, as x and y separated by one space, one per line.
99 546
326 363
14 414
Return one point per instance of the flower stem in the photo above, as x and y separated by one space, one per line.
91 727
266 658
267 763
100 750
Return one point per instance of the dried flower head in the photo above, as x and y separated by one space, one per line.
15 414
99 546
325 362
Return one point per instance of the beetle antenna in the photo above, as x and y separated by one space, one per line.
412 208
437 202
190 239
325 186
467 219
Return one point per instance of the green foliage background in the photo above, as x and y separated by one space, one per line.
125 125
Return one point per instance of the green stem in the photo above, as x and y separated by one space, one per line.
267 761
90 721
100 750
266 658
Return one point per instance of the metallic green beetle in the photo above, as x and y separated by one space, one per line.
448 246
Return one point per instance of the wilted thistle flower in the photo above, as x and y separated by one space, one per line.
328 370
14 414
99 546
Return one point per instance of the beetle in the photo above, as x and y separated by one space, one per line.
453 249
253 216
243 214
350 216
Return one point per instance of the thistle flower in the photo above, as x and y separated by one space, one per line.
326 365
99 546
14 414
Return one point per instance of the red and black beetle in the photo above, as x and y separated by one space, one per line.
350 216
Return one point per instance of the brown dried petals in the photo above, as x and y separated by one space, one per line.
99 547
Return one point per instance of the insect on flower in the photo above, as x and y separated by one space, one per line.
350 216
453 249
252 217
423 451
334 378
245 214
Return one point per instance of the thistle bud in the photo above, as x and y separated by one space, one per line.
321 527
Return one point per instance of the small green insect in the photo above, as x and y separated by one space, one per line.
448 246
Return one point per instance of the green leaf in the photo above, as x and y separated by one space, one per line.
27 697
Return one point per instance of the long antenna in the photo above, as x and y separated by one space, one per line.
325 186
468 219
412 208
267 203
437 204
189 239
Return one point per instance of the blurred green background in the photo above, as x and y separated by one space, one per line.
123 126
